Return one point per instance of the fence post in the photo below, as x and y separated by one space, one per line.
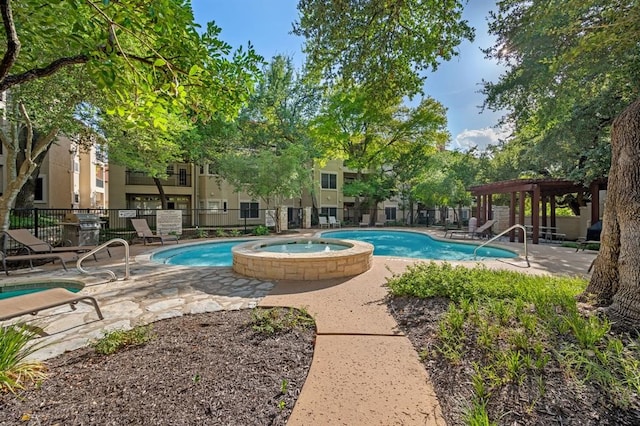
35 221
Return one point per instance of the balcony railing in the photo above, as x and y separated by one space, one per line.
174 179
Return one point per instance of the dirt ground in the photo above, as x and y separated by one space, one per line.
199 369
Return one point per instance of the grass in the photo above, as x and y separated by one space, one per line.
274 320
522 323
15 370
118 339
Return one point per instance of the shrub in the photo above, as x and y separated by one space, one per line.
261 230
118 339
15 347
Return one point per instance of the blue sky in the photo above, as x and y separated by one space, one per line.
267 25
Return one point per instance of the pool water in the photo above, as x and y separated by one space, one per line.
18 289
302 247
206 254
386 243
418 245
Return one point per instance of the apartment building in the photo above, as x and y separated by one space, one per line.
188 186
70 177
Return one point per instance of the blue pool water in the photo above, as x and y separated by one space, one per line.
417 245
17 289
207 254
386 243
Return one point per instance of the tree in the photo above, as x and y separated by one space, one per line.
272 152
445 180
572 69
380 46
144 62
385 144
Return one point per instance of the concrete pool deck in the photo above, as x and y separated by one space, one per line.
364 370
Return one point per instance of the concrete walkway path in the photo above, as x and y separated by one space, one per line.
364 370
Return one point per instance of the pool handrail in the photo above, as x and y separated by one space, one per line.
524 232
106 271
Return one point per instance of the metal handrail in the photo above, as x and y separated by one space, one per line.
524 233
106 271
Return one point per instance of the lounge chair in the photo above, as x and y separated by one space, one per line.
383 223
34 302
481 231
366 220
322 220
143 231
51 257
333 223
37 246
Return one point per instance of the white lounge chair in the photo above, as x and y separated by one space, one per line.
333 222
322 220
366 220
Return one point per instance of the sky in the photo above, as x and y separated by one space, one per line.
267 25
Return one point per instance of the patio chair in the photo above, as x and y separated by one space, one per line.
37 246
34 302
366 220
322 220
143 231
333 222
381 223
51 257
481 231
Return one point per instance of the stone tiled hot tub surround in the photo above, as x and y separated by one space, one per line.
248 260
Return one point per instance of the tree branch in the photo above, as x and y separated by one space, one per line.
36 73
13 43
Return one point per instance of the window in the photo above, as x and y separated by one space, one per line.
38 191
390 213
329 211
249 210
214 206
212 169
170 170
329 181
182 177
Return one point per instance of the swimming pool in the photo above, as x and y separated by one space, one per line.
213 253
386 243
417 245
14 289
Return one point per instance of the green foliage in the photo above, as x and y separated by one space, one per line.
478 283
275 320
380 45
118 339
15 346
571 69
234 233
221 233
202 233
261 230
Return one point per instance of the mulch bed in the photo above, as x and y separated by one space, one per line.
564 401
199 369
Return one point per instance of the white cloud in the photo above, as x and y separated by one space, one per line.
480 138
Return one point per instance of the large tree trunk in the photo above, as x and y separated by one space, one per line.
616 277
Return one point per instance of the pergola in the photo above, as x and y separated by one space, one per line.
541 191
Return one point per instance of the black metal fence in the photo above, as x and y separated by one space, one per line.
47 224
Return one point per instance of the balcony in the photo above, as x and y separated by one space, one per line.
182 178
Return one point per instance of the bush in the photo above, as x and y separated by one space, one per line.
15 347
261 230
118 339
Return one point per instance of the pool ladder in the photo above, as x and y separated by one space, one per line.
103 246
524 232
